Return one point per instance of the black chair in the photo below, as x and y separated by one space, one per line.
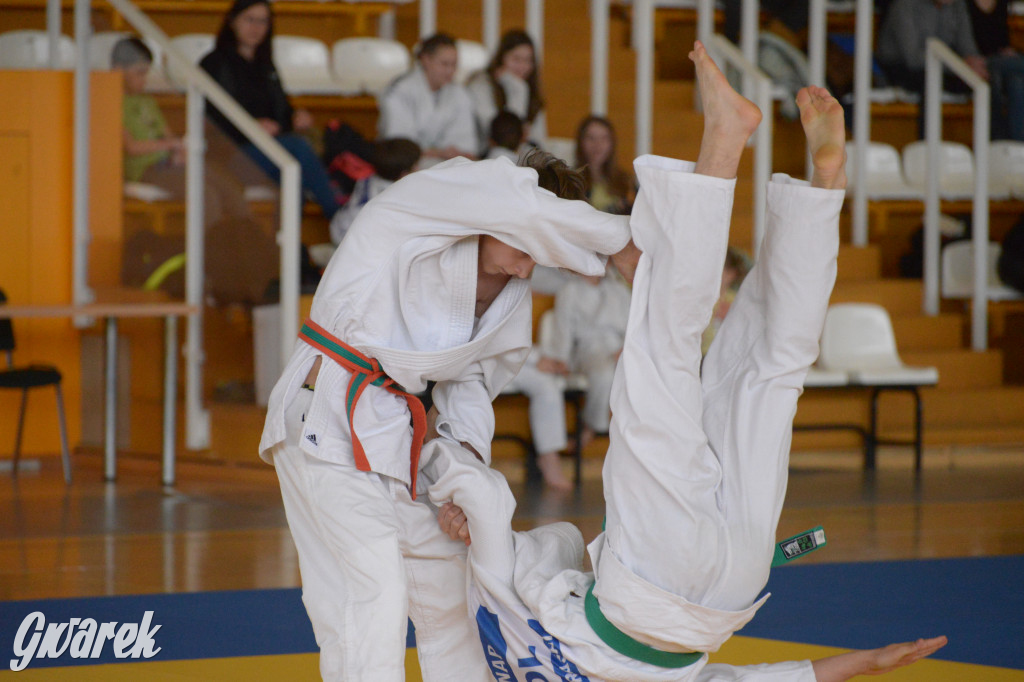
24 378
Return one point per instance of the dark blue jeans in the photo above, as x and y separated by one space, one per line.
1006 77
314 176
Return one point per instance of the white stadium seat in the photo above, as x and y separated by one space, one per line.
30 50
304 65
858 338
958 273
956 169
883 174
473 57
193 47
1006 166
368 64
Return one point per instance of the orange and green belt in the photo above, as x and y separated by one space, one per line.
366 371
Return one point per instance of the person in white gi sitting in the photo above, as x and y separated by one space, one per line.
426 107
696 469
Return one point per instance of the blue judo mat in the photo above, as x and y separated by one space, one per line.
977 603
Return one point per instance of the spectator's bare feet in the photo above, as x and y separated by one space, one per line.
822 118
729 118
550 465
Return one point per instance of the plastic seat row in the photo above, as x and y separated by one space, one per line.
891 175
958 273
307 66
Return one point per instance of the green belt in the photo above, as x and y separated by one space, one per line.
626 645
786 551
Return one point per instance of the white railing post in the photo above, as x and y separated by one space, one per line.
939 55
81 234
750 31
705 20
428 18
865 27
817 29
643 37
491 24
535 26
933 135
53 32
599 56
725 52
197 422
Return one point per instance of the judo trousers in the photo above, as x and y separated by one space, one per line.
697 465
370 558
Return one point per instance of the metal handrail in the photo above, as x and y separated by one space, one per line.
200 87
939 55
728 53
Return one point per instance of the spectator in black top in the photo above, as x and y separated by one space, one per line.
990 20
242 63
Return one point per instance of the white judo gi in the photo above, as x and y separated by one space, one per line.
401 288
696 470
433 120
589 324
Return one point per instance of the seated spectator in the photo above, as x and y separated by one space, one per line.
426 107
155 157
990 21
506 136
242 63
510 82
589 326
904 33
393 160
609 187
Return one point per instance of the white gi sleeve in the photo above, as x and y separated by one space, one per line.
789 671
461 198
465 414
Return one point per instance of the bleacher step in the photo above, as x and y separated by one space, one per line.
898 296
960 368
923 332
859 263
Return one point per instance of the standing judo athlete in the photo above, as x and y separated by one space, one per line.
696 468
428 285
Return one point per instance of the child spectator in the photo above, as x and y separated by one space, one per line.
393 160
506 136
155 157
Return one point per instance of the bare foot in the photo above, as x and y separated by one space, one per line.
729 118
587 437
822 118
550 465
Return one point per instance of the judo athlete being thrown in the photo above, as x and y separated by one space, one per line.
429 284
696 469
